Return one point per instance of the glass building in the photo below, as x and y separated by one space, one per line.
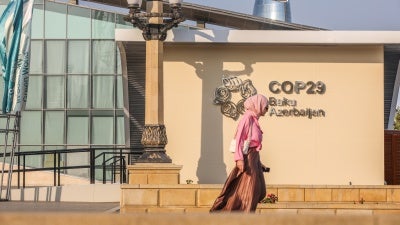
75 86
273 9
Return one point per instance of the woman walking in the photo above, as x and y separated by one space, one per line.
245 186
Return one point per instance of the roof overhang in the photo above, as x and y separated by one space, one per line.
269 37
221 17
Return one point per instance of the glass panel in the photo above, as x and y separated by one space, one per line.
103 24
3 125
105 157
49 158
103 57
78 159
31 128
38 2
120 133
37 21
78 57
56 20
120 93
54 128
36 62
78 92
55 57
35 161
103 92
2 91
121 23
78 130
78 22
102 130
3 122
119 66
35 92
55 92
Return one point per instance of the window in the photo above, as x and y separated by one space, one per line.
36 59
75 86
37 21
55 57
35 90
103 24
78 57
103 92
102 130
103 57
55 20
78 92
54 127
78 23
55 92
31 128
78 129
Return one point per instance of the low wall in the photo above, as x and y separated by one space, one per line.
295 199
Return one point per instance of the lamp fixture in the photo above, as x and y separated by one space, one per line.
155 30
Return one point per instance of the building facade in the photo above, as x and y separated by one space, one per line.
326 92
75 86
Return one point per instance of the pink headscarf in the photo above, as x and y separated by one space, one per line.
256 103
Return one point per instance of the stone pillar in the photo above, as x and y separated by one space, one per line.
154 166
154 137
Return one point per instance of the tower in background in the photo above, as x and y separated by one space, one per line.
273 9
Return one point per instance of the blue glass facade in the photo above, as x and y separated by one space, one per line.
273 9
75 95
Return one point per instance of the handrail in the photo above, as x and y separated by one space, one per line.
116 152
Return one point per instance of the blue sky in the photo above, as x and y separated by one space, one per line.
329 14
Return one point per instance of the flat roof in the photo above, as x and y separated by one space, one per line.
267 36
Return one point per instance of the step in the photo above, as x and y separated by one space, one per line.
293 199
283 208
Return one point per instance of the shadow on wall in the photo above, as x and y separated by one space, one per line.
43 194
211 168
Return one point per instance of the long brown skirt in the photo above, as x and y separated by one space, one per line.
242 191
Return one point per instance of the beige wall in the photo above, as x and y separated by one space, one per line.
344 146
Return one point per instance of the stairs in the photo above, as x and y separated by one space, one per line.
293 199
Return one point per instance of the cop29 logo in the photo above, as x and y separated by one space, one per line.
223 95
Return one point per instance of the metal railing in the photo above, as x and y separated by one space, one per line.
112 159
11 130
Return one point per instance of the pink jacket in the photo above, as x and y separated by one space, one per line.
248 120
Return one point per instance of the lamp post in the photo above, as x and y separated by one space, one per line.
154 24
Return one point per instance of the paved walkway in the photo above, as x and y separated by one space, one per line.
19 206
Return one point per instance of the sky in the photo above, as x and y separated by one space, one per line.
329 14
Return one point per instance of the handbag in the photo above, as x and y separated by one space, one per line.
246 144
